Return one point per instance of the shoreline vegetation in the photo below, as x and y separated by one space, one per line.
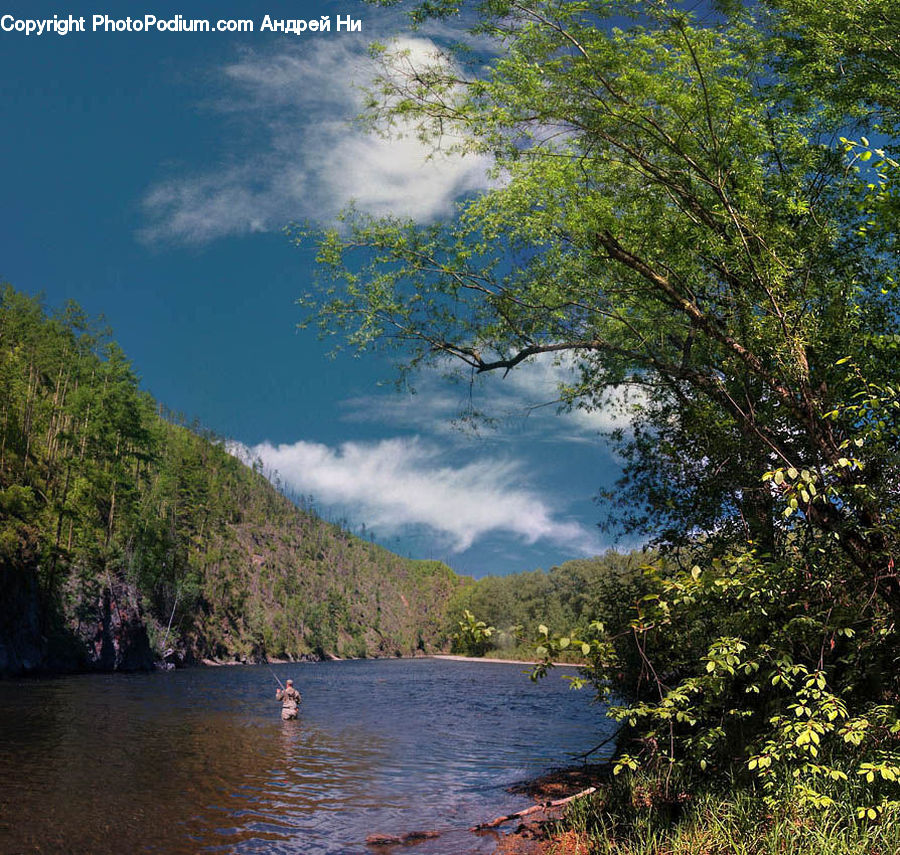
447 657
585 810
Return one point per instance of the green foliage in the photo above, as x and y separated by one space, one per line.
783 674
632 816
97 483
672 212
473 637
568 600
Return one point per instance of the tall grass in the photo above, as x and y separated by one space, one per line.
628 818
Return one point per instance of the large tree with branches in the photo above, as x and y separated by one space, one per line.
672 207
703 206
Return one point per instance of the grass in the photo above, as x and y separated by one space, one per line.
627 819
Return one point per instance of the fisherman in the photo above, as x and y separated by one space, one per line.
290 700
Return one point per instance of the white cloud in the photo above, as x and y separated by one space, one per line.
296 153
525 401
400 484
431 409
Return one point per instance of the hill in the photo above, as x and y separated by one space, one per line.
125 536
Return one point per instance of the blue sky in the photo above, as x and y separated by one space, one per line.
148 176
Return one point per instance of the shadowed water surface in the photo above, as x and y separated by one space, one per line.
199 760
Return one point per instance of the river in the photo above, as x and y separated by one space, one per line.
198 760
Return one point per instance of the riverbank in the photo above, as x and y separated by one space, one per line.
635 815
539 832
487 660
535 830
454 658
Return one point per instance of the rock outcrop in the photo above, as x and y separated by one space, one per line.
112 629
100 628
22 646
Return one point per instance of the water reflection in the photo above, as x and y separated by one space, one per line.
200 760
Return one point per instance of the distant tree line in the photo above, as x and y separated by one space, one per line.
565 599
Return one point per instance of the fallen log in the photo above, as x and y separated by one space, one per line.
500 820
399 839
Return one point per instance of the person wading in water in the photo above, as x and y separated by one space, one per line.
290 700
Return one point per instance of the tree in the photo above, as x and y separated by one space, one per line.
667 213
678 206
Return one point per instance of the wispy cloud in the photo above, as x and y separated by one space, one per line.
539 384
400 484
297 154
527 400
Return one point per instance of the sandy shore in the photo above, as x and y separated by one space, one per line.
486 659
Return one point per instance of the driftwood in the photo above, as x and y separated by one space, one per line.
500 820
416 836
399 839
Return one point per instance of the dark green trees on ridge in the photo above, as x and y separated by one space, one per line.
101 492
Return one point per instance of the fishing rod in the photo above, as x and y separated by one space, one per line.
274 675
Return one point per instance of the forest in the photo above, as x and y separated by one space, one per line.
566 599
127 537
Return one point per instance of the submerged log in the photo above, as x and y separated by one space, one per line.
400 839
500 820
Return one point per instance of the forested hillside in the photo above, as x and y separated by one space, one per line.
124 535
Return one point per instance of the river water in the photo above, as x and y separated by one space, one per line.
199 760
